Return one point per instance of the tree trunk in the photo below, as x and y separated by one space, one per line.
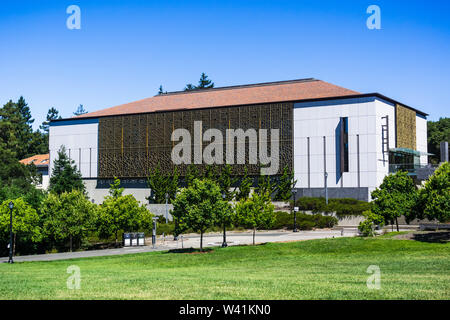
116 238
201 240
254 231
70 243
396 222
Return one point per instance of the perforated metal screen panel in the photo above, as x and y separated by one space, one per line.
130 145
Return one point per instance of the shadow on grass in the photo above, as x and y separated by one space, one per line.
435 237
190 250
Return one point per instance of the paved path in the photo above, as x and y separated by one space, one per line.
193 240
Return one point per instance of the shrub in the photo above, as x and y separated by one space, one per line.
286 220
343 207
366 227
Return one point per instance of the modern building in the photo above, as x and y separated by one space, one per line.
41 161
328 135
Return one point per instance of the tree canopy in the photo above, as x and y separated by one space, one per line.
438 131
395 197
434 197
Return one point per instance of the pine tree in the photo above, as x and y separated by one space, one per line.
190 87
65 176
52 114
161 91
80 110
204 82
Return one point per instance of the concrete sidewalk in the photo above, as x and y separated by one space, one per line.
193 241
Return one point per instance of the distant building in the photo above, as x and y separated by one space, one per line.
328 135
41 161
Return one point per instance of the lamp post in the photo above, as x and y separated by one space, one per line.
294 192
175 232
11 207
167 200
326 188
154 233
224 242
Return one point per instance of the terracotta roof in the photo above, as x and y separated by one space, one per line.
39 160
292 90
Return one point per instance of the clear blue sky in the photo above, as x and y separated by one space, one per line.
126 49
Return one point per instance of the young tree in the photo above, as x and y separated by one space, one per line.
161 184
256 212
68 217
265 185
65 176
119 212
80 110
25 224
395 197
367 226
244 187
227 183
285 185
197 206
433 201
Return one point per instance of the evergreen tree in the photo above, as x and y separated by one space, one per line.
204 82
80 110
190 87
65 176
52 114
161 91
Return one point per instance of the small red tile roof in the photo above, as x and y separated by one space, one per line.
39 160
291 90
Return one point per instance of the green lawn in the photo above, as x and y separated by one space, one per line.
316 269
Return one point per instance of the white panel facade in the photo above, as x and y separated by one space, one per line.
421 138
314 120
81 143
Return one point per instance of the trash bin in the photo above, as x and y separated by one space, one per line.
126 239
134 239
141 239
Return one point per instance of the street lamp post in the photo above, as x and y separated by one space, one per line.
326 188
11 207
175 232
167 200
224 242
294 192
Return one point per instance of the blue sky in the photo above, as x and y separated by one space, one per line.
126 49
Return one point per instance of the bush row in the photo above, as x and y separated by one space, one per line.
343 207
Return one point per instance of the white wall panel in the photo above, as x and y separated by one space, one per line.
76 137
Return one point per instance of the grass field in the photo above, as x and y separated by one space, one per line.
316 269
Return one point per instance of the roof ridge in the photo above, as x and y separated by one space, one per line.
250 85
